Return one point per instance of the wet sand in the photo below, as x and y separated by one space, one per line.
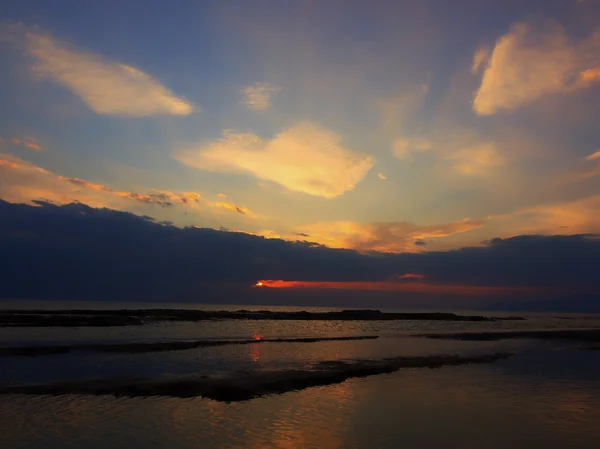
592 335
159 346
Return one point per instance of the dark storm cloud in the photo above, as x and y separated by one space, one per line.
78 252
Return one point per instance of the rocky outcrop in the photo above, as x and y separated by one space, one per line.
73 318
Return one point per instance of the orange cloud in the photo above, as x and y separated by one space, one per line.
28 142
411 276
479 59
527 64
233 207
22 181
386 237
394 286
593 156
581 216
160 198
587 173
305 158
8 164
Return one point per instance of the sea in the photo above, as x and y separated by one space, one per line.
545 396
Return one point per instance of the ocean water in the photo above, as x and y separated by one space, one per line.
546 396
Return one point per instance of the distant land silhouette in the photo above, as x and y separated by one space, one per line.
567 304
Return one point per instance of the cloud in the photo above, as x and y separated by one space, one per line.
526 64
585 173
233 207
593 156
22 181
479 59
386 237
28 142
567 217
411 276
381 176
305 158
477 160
107 87
403 148
392 286
159 198
48 243
8 164
258 96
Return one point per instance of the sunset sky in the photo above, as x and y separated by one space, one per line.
394 126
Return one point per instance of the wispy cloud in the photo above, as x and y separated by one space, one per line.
381 176
399 236
159 198
479 58
28 142
8 164
258 96
527 63
477 160
586 172
394 285
22 181
107 87
405 147
577 216
305 158
593 156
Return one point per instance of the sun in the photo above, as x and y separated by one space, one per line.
259 284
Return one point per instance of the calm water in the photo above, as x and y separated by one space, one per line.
548 396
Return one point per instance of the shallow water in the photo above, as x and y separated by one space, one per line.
547 396
512 403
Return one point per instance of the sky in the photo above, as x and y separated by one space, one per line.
388 127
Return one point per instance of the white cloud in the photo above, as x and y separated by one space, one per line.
305 158
258 96
526 64
381 176
107 87
477 159
403 148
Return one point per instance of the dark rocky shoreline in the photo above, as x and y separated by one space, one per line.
242 385
103 318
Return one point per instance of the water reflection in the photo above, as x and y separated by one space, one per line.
494 406
254 352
